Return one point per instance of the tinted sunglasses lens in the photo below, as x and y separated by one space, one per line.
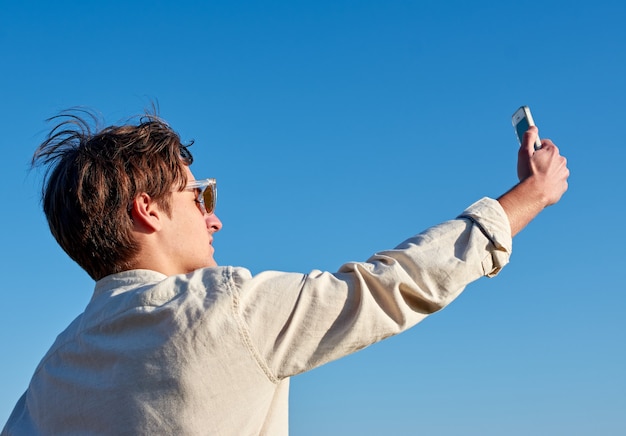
208 196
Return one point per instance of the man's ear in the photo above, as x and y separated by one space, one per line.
146 213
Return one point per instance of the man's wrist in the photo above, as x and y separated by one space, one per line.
523 203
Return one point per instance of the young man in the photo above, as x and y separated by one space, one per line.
173 344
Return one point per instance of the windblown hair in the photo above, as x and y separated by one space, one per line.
93 176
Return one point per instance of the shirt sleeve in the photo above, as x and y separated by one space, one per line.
295 322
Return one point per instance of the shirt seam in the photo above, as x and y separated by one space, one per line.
244 331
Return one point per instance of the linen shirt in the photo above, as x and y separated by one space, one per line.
211 352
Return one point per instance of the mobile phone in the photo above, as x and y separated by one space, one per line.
522 120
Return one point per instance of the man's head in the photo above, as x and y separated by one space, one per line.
96 180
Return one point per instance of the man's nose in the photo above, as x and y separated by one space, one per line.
213 223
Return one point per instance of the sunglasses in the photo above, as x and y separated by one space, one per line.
207 193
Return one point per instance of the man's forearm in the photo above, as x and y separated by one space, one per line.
522 204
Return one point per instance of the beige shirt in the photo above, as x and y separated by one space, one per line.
211 352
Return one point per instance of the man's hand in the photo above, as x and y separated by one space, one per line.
546 165
543 181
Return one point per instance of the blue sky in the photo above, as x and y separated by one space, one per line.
336 129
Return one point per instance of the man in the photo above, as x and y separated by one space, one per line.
170 343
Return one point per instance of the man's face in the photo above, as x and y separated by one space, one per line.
188 236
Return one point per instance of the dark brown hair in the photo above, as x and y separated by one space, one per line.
93 176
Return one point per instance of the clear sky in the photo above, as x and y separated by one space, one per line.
337 129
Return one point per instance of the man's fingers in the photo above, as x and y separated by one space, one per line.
547 143
529 139
526 152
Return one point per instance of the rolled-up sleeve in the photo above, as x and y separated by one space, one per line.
489 217
295 322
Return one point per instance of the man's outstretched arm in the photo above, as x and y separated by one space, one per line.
543 180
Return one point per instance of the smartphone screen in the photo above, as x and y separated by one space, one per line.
521 128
